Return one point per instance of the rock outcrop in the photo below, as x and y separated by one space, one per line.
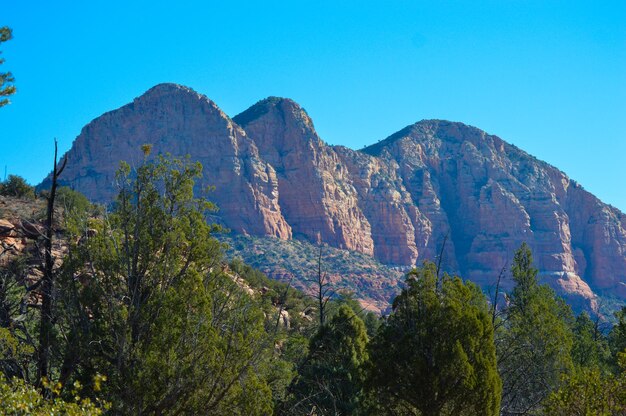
435 187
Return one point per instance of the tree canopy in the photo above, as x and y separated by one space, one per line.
435 353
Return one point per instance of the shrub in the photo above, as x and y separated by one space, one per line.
16 186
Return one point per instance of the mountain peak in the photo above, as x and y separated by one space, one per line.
169 89
449 131
281 105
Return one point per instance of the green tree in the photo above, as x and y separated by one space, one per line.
144 300
331 379
617 336
588 391
6 78
73 203
435 353
16 186
371 319
535 341
590 348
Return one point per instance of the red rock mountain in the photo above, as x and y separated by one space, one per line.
396 200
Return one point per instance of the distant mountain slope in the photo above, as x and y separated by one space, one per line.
296 262
397 200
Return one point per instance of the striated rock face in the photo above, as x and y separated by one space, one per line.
495 197
397 200
177 120
316 193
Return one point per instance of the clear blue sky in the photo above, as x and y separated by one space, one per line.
548 76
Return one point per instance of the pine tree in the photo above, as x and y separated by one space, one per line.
617 336
535 342
435 353
590 348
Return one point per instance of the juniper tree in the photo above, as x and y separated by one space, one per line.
331 379
145 302
435 353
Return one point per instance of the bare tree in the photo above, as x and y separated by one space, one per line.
47 282
443 247
494 302
324 291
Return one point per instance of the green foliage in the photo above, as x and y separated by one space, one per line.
370 319
590 348
275 294
16 186
617 336
18 398
535 340
435 353
590 392
15 352
6 78
143 299
350 271
73 202
14 355
331 379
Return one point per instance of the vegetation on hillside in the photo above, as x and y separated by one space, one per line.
16 186
296 261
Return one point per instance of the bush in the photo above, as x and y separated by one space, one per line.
16 186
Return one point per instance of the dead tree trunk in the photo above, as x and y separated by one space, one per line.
494 303
323 290
47 285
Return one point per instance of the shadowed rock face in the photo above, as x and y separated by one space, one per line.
397 200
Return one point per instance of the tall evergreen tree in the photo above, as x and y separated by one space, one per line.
435 353
590 347
331 379
617 336
535 342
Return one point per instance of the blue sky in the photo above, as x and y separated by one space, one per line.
548 76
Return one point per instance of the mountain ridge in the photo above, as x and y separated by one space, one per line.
396 200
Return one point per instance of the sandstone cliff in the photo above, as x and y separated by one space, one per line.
397 200
179 121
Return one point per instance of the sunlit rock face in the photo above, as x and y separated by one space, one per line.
496 196
179 121
433 189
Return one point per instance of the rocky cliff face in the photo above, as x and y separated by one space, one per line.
495 197
398 200
179 121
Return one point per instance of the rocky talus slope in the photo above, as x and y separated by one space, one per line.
397 200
